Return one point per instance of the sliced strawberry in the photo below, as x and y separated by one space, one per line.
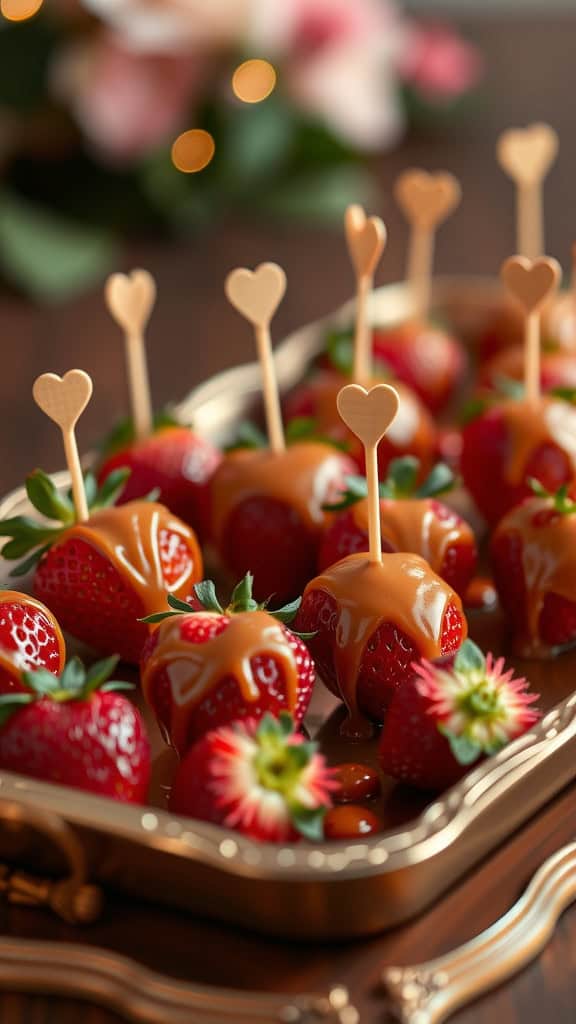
176 462
261 779
449 714
30 637
185 647
75 731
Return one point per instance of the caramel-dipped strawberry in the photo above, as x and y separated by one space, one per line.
100 576
424 357
260 778
268 516
30 638
210 666
450 714
369 621
533 558
412 433
175 462
512 441
411 518
557 369
370 615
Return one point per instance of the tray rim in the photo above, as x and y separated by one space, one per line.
435 829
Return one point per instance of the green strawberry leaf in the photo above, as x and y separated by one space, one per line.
270 726
356 490
340 350
309 823
152 620
98 674
242 600
110 490
440 480
73 677
288 612
206 594
45 497
23 568
469 658
286 723
402 476
178 605
41 681
465 750
248 435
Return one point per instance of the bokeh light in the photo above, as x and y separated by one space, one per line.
253 81
19 10
193 150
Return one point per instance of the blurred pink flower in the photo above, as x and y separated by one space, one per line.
439 63
161 26
341 66
127 103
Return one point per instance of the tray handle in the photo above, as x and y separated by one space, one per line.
71 898
430 992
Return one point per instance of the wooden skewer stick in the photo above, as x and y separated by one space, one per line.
526 155
256 294
130 299
532 283
366 239
426 200
368 414
64 399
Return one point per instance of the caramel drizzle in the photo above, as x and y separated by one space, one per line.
410 524
303 477
129 537
531 426
548 562
196 669
402 590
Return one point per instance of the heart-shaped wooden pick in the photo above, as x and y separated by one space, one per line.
368 414
130 299
427 199
531 281
63 399
366 237
256 294
526 154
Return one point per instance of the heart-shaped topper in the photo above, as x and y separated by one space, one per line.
63 399
130 299
256 294
366 237
531 281
368 414
427 199
527 154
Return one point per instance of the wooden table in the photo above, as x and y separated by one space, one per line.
531 75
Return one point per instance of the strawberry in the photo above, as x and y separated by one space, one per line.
368 622
30 637
512 441
76 731
207 668
557 369
535 572
174 461
411 520
425 358
449 714
101 576
261 779
412 432
504 327
268 515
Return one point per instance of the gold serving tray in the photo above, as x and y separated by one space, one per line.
330 890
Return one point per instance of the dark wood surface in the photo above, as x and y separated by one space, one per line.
531 75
